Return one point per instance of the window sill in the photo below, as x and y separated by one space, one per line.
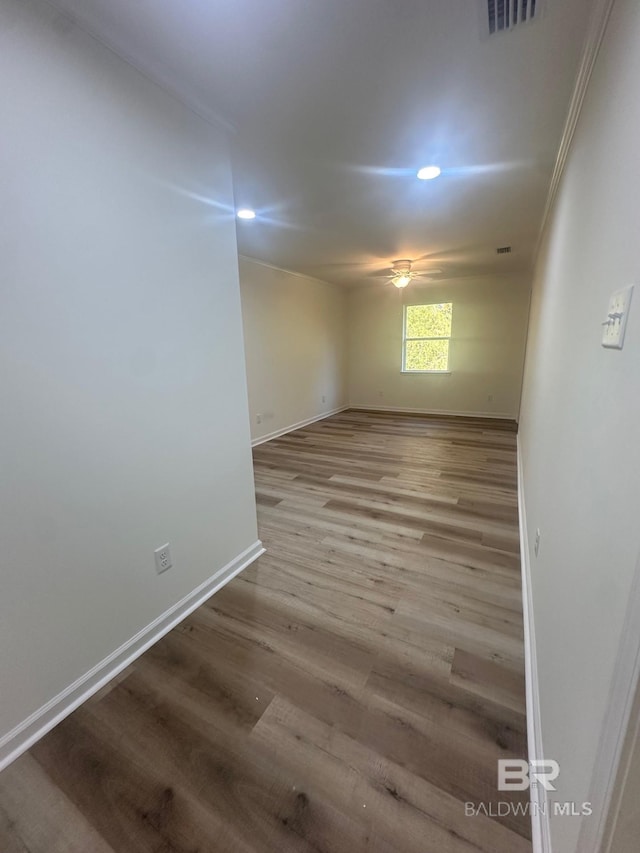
427 372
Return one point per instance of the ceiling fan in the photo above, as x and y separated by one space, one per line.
385 270
402 273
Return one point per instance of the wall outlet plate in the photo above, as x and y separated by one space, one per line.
163 558
614 326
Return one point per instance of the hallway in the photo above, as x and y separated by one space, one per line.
350 691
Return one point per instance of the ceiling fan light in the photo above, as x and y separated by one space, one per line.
401 280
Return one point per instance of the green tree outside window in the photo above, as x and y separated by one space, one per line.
427 332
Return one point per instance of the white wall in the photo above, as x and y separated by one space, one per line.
123 400
580 419
486 350
295 343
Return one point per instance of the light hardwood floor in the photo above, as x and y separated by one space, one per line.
350 691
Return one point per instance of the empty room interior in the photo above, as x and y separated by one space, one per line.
320 394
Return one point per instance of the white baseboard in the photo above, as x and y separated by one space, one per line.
374 407
540 830
25 734
292 427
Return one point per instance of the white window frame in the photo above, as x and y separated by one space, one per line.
430 338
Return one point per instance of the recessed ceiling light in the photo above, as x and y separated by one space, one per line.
246 213
428 173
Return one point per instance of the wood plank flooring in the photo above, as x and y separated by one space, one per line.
350 691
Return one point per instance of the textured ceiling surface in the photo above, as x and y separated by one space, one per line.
335 104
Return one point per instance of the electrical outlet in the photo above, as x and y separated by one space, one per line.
490 398
536 546
258 419
324 399
163 559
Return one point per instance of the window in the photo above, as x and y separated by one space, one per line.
425 343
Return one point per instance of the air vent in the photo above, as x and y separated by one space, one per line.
503 250
507 14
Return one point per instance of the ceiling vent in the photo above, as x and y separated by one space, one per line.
503 250
507 14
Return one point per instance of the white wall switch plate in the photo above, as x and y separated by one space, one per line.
163 559
614 326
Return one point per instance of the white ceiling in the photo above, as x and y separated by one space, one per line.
337 103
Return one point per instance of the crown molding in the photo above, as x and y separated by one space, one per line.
203 111
597 26
266 264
